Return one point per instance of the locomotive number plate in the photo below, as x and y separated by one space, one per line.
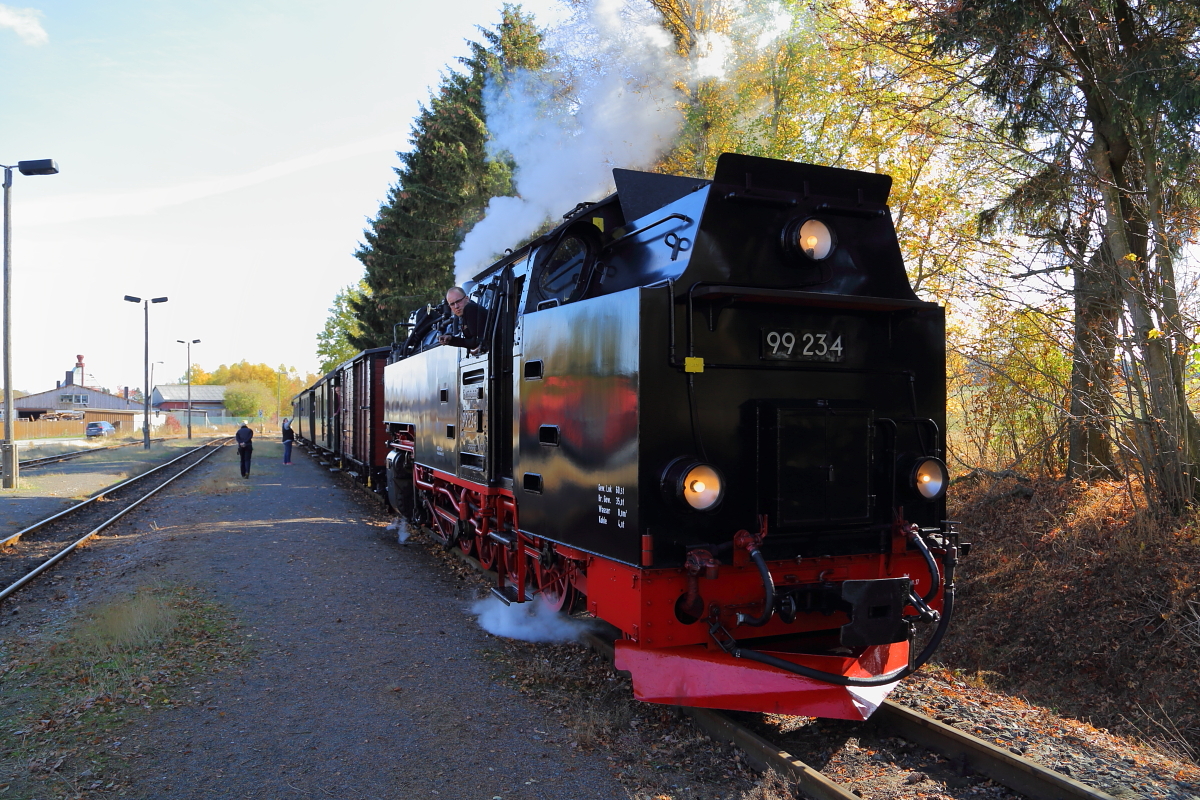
789 345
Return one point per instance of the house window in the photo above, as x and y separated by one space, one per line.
74 399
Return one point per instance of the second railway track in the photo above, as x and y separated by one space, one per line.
39 546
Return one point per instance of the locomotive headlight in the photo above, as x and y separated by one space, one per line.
930 478
813 238
693 484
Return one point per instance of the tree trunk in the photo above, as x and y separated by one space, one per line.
1097 307
1170 457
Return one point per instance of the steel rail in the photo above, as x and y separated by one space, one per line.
70 548
37 462
1017 773
94 498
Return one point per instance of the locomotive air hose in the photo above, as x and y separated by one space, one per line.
768 593
880 680
934 575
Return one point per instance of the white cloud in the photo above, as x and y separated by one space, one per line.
25 23
57 209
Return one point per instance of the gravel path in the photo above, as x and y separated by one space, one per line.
369 679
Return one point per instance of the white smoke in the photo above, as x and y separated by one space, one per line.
775 22
528 622
712 52
622 111
25 23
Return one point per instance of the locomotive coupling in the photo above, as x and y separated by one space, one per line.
698 562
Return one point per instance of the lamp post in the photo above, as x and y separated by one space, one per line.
8 448
153 384
146 377
189 379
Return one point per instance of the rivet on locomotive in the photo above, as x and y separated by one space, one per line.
710 413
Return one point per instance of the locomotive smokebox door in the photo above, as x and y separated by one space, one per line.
876 611
814 463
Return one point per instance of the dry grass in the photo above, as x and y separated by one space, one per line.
61 698
1079 601
215 484
126 626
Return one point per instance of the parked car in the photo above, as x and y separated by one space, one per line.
100 428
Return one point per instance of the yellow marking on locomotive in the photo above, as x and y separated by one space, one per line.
693 364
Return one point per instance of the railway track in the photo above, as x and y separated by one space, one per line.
61 534
966 752
31 463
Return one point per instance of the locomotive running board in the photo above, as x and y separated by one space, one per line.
694 675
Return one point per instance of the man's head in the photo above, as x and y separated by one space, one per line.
456 298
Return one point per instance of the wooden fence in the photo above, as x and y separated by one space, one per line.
47 429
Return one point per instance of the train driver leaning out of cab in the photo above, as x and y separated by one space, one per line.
469 318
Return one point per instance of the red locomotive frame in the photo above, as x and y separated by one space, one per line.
671 660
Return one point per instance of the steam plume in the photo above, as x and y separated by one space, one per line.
623 113
528 622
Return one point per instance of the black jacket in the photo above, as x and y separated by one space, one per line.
243 436
288 434
468 329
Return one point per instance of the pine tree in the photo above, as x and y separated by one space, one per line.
445 181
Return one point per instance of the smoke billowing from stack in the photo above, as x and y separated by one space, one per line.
624 113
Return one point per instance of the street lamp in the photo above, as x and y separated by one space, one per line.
8 449
189 379
146 377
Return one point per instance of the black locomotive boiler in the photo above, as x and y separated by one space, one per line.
711 413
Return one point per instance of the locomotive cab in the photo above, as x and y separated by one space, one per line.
711 412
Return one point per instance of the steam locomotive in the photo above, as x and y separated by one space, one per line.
710 413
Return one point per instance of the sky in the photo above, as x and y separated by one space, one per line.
226 155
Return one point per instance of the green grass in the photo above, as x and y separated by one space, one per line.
67 699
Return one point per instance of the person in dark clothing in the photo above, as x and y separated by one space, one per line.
469 319
245 448
289 436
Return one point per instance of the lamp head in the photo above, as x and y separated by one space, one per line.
158 299
133 299
42 166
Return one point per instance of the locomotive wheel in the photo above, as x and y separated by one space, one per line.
488 551
553 583
465 538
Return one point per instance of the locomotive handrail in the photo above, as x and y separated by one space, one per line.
627 236
765 294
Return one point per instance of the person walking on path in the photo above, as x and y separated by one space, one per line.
289 436
245 448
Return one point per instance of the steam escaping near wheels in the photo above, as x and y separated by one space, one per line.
535 621
400 526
